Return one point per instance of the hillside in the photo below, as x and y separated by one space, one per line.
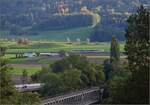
30 18
81 33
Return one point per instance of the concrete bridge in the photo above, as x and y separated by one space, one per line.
84 97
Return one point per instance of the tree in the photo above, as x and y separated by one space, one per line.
115 65
137 43
115 51
112 65
137 48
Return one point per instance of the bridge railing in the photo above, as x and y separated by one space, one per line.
86 97
68 92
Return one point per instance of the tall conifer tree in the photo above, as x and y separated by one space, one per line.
115 51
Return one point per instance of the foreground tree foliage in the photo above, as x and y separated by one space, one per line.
137 48
8 93
133 87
